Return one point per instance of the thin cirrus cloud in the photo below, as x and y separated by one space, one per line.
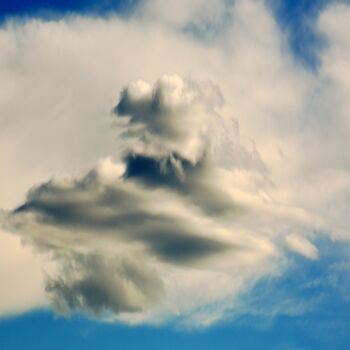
210 180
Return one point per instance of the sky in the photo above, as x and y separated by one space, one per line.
175 174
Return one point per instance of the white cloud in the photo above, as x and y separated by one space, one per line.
21 275
285 144
175 115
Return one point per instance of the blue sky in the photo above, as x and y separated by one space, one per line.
39 8
297 19
236 230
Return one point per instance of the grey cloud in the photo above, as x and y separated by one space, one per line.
71 220
182 176
172 171
179 119
114 210
81 219
184 248
101 286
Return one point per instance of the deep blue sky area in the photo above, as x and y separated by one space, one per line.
18 8
43 331
297 19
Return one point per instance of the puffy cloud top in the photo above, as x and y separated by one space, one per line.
173 115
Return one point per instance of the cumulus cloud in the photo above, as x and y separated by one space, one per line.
155 209
207 184
175 132
115 209
175 115
80 222
114 231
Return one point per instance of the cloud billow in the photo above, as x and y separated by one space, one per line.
170 130
173 116
108 232
91 283
201 189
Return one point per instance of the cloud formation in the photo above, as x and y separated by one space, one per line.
100 286
111 230
175 115
114 209
211 185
